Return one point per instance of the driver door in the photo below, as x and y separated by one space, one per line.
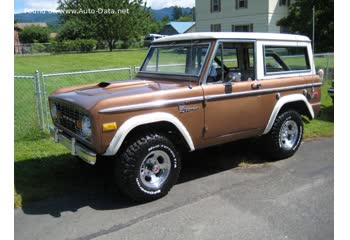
232 106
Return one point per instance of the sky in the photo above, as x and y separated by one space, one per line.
51 5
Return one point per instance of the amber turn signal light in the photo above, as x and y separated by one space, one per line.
109 126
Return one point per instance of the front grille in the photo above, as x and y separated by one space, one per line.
69 116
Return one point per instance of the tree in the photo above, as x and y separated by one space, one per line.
109 21
34 33
193 13
177 12
74 29
165 19
299 20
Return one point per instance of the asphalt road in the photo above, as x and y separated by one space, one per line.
214 199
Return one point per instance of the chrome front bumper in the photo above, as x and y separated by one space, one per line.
75 148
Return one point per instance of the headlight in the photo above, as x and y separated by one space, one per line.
53 110
86 127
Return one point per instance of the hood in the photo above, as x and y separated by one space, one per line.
88 97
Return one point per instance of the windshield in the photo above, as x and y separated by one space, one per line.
184 59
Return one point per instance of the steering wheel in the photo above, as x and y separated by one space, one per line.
226 69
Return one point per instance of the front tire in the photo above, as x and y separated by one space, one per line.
285 136
147 168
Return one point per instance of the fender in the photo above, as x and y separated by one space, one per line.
281 102
136 121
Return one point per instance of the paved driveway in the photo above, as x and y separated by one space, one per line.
214 199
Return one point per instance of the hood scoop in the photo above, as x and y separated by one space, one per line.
104 84
121 84
112 87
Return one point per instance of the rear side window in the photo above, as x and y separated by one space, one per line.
281 59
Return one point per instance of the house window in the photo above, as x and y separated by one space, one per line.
241 4
242 28
284 29
284 2
215 5
215 27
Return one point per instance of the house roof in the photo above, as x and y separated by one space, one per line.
23 25
234 35
181 27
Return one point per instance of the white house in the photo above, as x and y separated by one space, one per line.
240 15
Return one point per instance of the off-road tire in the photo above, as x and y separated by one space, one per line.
132 163
285 136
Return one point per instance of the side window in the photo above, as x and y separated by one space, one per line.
251 57
230 57
280 59
233 62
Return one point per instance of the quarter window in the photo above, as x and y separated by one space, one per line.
279 59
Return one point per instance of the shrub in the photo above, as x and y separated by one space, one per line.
125 45
79 45
86 45
31 34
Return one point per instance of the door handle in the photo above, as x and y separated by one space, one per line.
256 85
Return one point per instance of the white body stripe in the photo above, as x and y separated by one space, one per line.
281 102
136 121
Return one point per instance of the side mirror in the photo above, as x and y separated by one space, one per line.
320 73
234 77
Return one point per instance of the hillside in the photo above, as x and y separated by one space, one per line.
49 18
159 14
53 18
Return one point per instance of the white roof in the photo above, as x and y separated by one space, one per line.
233 35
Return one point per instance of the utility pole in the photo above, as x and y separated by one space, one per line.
313 28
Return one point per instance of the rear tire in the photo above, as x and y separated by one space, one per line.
285 136
147 167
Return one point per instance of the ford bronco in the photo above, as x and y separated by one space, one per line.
192 91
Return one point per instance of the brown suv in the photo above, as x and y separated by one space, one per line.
192 91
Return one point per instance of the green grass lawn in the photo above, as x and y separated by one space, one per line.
44 169
323 125
77 62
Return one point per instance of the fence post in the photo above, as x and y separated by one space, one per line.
327 68
130 73
39 99
45 100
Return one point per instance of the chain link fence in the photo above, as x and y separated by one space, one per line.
46 48
32 91
54 81
28 117
325 61
32 48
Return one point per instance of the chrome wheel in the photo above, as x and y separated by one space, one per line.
288 135
155 169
